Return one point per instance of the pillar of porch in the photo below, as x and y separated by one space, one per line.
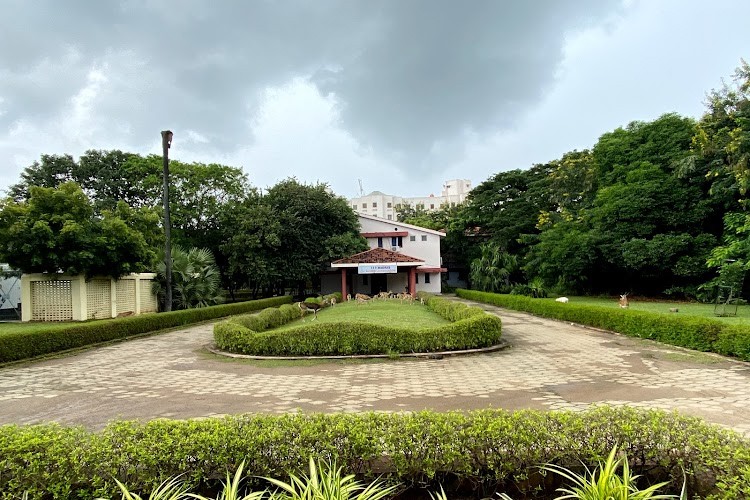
343 284
412 280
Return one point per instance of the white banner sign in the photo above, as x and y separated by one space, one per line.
377 268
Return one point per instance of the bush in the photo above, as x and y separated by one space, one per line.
24 345
471 328
702 334
481 451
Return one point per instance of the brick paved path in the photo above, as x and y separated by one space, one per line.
551 365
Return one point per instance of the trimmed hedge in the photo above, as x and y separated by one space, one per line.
471 328
24 345
480 452
702 334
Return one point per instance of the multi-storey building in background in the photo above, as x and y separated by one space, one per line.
386 206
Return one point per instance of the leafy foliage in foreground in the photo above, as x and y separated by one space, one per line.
491 450
470 328
702 334
28 344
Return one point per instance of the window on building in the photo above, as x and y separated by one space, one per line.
426 278
380 243
432 206
447 186
364 279
353 206
374 205
416 278
364 205
424 237
387 205
400 241
390 217
411 238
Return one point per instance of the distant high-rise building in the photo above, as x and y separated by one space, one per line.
387 206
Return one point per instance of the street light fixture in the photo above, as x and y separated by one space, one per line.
166 143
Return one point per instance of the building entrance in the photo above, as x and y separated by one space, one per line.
379 283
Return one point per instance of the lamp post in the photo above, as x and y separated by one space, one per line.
166 142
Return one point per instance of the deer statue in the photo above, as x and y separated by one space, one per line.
306 307
624 301
361 298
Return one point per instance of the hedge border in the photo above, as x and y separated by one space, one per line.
26 345
692 332
470 328
491 450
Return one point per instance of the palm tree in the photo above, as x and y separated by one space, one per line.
195 279
492 270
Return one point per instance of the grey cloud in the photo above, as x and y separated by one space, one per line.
407 74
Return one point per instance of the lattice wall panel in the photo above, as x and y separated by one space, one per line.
125 296
99 299
51 301
148 298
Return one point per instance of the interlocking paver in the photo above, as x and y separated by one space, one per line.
551 365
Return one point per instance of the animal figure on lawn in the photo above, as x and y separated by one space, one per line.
409 298
330 302
306 307
623 302
564 300
361 298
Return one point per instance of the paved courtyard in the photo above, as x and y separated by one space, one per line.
551 365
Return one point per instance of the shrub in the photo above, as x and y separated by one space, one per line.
24 345
471 328
483 451
702 334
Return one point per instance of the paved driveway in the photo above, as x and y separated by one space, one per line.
551 365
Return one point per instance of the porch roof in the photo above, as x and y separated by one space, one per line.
377 256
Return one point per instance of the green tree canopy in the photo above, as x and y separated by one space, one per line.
289 235
57 230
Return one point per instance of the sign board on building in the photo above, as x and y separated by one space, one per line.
377 268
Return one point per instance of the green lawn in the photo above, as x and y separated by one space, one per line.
381 312
685 308
17 326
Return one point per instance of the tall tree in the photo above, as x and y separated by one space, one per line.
251 240
288 236
507 206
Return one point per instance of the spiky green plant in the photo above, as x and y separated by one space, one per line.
328 483
195 279
231 489
170 489
606 483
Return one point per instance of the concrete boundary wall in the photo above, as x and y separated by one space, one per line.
60 297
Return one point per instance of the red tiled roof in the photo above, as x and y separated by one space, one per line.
377 256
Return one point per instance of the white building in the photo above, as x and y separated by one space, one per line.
386 206
402 258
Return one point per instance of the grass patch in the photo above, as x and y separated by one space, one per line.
663 307
381 312
678 357
18 327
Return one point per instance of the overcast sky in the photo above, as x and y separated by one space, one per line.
402 94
